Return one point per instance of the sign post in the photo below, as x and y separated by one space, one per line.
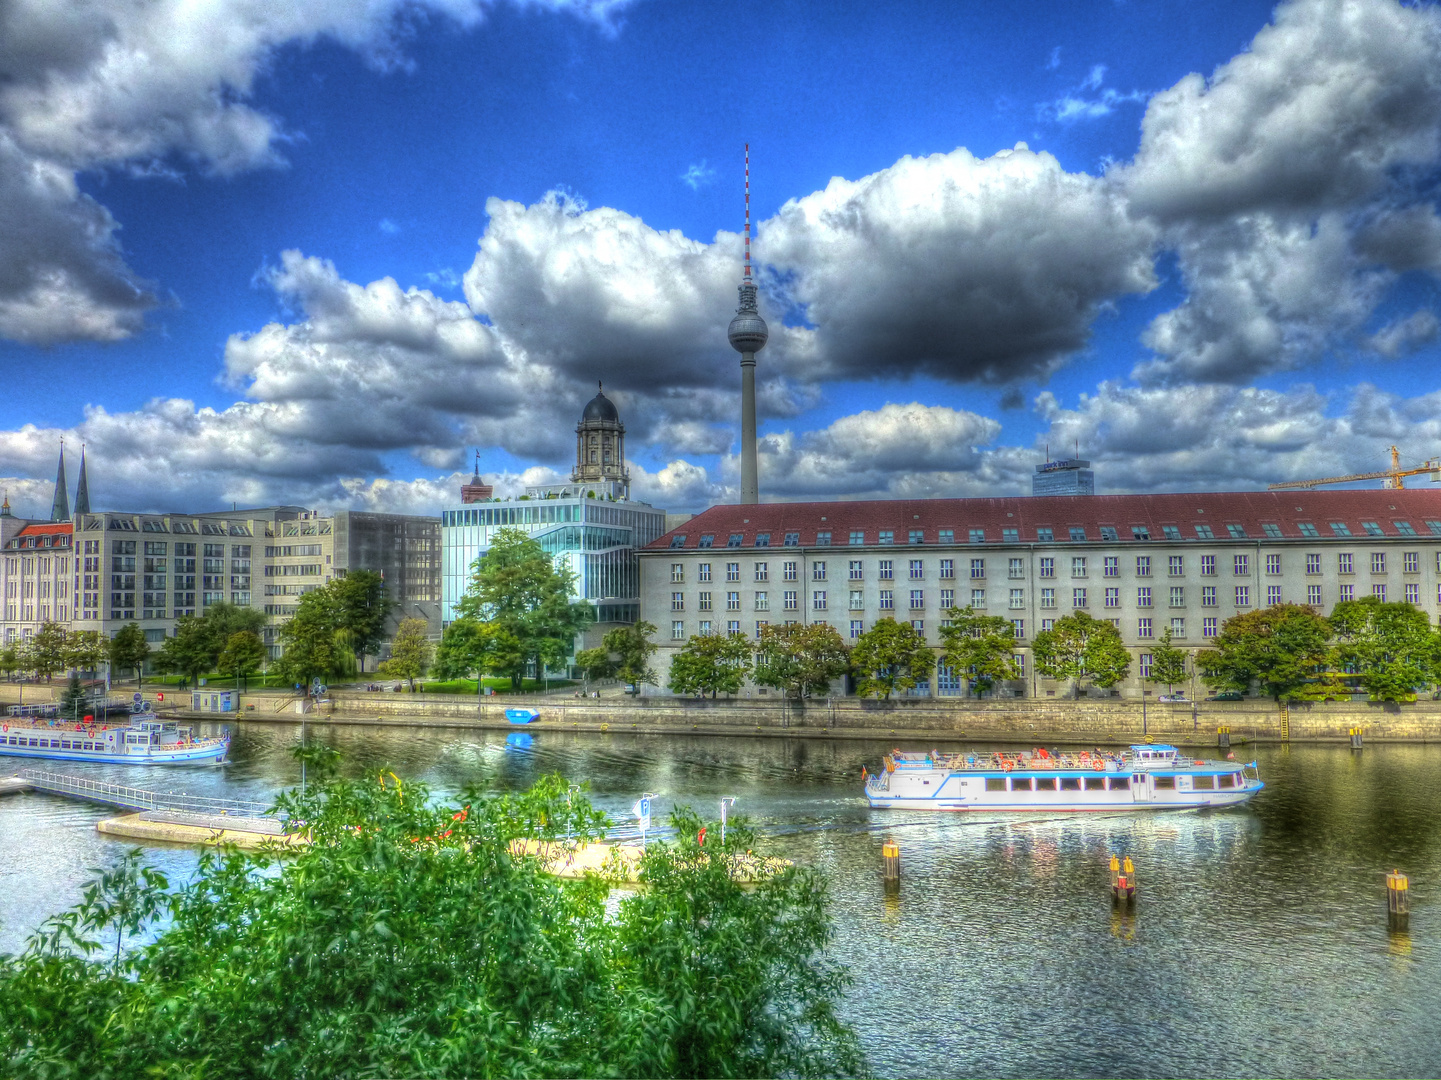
642 812
729 801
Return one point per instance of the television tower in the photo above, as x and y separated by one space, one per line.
748 336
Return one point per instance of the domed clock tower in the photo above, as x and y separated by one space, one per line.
600 446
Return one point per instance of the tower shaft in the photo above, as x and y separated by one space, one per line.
750 484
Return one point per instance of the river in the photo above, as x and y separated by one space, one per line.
1258 946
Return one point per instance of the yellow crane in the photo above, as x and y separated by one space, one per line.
1395 476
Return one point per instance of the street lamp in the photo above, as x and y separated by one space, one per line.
1195 722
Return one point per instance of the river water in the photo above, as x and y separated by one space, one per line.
1259 945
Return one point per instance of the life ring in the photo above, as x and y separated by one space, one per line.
1099 766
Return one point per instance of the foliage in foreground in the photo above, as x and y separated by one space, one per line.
410 940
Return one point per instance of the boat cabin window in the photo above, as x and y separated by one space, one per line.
995 783
1095 783
1120 783
1070 783
1203 783
1045 783
1226 781
1020 783
1167 783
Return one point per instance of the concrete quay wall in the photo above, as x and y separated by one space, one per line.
1082 721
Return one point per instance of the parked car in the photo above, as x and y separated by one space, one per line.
1172 699
1227 695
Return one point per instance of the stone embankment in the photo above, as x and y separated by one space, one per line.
1085 721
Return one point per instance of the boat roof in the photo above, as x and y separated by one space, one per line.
1163 747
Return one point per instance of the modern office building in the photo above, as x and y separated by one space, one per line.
589 525
1147 563
1069 476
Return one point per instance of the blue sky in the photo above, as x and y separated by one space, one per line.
254 256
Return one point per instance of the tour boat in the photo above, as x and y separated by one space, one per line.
146 740
1145 777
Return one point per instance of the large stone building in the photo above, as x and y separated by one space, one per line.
99 571
590 525
1147 563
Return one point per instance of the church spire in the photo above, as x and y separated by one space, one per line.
60 508
82 490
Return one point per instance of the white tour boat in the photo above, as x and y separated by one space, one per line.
145 740
1148 777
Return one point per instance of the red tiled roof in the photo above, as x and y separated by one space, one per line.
49 528
1248 509
44 533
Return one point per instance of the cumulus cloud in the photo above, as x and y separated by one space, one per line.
1090 100
1292 183
1406 335
964 268
152 87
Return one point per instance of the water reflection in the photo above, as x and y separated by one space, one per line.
1258 943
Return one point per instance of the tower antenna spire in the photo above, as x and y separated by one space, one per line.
748 212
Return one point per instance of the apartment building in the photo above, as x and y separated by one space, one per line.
1146 563
100 571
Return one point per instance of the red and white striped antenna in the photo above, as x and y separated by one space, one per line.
748 211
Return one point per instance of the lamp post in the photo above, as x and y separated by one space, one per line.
1195 721
725 803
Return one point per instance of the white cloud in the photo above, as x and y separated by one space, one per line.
1326 104
1406 335
697 176
151 87
1090 99
1290 181
958 267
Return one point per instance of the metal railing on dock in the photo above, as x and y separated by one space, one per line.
129 798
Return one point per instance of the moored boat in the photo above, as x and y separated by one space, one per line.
1144 777
146 740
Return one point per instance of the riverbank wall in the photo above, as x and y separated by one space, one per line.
1084 721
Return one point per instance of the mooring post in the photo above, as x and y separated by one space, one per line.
1223 736
1356 740
1123 881
1398 898
891 862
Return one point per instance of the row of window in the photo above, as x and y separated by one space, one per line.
1016 600
1046 567
1146 629
1046 534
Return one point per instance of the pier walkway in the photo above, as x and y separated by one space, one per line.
253 814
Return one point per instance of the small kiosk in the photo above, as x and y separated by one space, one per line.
207 700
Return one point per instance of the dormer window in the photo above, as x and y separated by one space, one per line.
678 540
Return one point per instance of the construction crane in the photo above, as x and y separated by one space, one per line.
1394 477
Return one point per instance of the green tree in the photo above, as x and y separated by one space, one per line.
801 659
1391 646
1168 663
517 586
72 702
222 621
1080 647
710 664
243 655
308 640
410 651
187 653
594 664
983 646
361 610
45 652
1284 648
9 660
891 656
129 649
85 650
470 646
415 937
632 648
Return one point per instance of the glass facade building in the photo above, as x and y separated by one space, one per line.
596 539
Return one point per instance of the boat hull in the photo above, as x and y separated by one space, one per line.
1199 801
209 755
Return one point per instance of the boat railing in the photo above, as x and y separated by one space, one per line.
47 709
80 787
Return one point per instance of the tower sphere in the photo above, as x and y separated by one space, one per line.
600 408
748 332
